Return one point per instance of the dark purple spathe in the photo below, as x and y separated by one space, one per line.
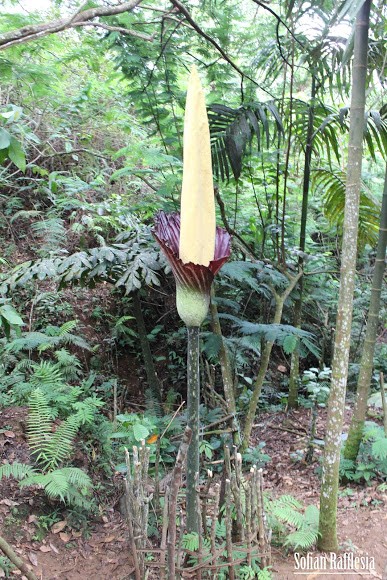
195 276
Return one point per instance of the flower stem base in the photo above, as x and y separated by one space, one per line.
193 401
192 305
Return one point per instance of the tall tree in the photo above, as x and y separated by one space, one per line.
352 444
330 472
295 360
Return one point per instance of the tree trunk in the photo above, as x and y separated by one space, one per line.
225 365
295 359
331 461
265 359
151 375
355 433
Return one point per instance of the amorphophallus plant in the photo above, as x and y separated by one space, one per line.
196 250
193 280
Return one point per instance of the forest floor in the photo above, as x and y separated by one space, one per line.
62 551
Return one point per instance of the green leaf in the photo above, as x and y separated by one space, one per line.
5 139
140 432
9 313
16 154
290 343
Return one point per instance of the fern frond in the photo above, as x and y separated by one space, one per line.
67 327
25 214
54 483
264 574
190 541
288 501
332 187
68 364
312 515
288 515
59 446
38 422
16 470
53 232
372 431
46 375
379 448
31 341
87 408
303 538
77 477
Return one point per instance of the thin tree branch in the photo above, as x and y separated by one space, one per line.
28 33
182 9
230 230
279 19
115 29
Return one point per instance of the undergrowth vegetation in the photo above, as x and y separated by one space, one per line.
90 341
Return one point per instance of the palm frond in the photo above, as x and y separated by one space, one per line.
233 129
331 185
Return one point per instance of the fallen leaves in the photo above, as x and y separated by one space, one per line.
54 548
59 526
9 434
8 502
65 537
32 558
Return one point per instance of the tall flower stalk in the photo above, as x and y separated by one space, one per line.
196 250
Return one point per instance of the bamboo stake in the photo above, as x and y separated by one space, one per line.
227 461
238 507
231 573
248 522
156 502
263 544
213 525
180 553
193 402
174 490
115 404
164 532
204 501
132 542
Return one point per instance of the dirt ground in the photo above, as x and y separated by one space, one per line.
104 553
362 516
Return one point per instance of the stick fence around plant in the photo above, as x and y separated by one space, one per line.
230 511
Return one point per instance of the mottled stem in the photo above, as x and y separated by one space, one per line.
193 401
172 500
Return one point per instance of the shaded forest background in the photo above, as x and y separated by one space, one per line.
91 121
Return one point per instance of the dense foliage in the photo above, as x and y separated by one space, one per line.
91 148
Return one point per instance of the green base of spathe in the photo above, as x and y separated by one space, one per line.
192 305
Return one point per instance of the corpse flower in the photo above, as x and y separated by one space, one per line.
196 249
194 246
193 281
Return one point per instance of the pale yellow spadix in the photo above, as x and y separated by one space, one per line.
197 215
